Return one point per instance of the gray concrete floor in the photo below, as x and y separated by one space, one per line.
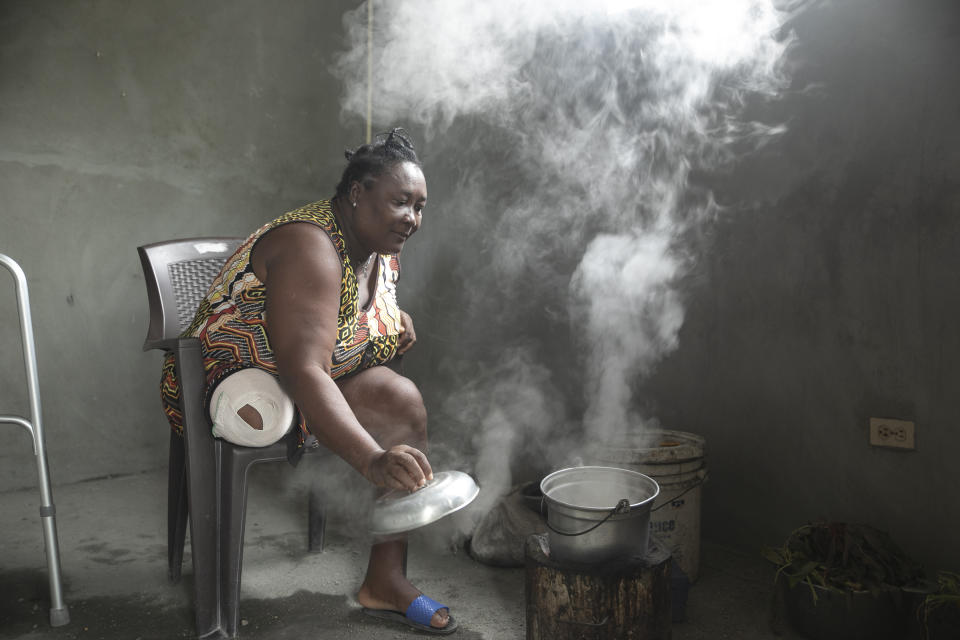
113 548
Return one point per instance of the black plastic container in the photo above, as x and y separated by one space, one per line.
849 615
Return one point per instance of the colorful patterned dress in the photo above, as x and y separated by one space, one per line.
233 332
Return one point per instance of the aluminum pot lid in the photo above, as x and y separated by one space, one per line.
398 511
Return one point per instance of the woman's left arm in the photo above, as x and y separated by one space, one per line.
407 334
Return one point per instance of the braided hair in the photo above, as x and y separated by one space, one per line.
368 161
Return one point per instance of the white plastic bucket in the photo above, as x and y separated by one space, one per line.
675 460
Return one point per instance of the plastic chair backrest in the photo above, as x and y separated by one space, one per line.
178 274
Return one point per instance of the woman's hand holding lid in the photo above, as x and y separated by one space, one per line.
399 467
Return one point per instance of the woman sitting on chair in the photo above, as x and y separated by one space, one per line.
306 309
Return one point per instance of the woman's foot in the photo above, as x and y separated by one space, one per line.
397 597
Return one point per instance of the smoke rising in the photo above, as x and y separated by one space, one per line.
575 129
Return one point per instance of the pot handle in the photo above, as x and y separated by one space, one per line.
622 507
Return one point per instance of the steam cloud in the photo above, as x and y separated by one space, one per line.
577 126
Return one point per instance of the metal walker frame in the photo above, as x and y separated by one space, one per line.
59 614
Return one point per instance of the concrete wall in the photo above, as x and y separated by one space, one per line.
128 123
823 297
832 296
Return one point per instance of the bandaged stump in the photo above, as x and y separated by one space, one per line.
624 599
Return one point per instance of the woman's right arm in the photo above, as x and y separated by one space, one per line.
301 270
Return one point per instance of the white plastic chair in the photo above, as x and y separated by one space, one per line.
59 615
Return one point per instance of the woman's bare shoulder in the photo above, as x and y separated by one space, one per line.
300 247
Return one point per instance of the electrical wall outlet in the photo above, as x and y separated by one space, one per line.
886 432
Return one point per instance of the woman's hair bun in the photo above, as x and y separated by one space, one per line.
372 159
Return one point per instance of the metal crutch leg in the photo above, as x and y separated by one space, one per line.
59 614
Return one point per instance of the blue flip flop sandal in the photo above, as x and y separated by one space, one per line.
418 615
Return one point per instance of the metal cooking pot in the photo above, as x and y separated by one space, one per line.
596 514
